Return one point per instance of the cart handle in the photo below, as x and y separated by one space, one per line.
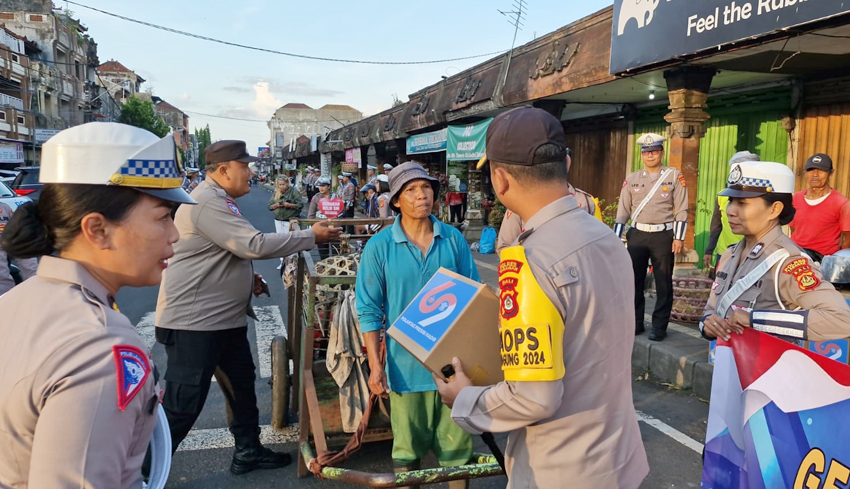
484 466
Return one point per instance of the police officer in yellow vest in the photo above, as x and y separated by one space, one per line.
566 327
655 199
765 281
78 396
720 236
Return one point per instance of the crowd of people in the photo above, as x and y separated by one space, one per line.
104 221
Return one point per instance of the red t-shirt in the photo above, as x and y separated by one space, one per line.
819 227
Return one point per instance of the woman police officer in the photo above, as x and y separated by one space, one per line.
78 400
765 281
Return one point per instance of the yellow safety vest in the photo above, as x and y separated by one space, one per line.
531 328
727 237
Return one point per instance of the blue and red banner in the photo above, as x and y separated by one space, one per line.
779 417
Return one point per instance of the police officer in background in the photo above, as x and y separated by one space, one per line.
512 226
720 236
78 399
655 199
310 183
205 299
567 402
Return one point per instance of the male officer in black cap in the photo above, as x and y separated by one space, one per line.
205 298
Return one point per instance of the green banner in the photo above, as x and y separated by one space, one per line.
467 142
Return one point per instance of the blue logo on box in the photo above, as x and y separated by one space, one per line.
834 349
434 309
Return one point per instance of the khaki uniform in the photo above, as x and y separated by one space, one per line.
823 313
347 193
512 226
650 240
384 210
313 210
580 431
207 285
668 204
77 394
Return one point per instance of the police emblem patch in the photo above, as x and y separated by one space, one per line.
132 369
665 195
625 182
232 206
802 272
756 249
735 175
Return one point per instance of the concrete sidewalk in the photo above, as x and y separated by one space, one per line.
680 360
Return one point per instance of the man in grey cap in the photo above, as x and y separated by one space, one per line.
205 299
396 263
310 183
720 236
821 225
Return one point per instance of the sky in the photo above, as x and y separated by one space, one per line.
201 77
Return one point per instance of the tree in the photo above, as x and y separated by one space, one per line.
204 140
141 113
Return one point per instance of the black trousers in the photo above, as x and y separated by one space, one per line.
455 212
193 358
657 248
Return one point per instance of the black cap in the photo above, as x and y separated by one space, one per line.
228 150
514 136
819 161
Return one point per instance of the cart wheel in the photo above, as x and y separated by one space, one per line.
280 383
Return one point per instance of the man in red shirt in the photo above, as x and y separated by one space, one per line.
822 221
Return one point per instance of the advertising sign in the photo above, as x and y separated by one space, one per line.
352 156
777 417
429 142
279 140
467 142
263 152
650 31
11 152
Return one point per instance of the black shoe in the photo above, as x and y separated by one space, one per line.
257 457
657 335
639 329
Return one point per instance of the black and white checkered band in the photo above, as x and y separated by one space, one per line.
150 168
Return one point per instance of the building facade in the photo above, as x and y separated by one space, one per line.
296 119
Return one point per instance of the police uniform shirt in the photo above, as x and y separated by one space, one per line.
813 309
347 193
313 210
580 431
208 283
668 204
512 224
77 395
384 210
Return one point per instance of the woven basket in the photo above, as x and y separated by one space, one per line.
690 296
349 167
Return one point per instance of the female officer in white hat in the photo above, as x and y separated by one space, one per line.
78 401
766 282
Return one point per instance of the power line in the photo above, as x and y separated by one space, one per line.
272 51
224 117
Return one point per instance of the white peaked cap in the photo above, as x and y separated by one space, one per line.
108 153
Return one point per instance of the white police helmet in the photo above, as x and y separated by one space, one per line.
651 142
755 178
108 153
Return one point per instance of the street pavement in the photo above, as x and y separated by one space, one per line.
672 421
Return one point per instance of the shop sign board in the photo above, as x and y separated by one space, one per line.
467 142
652 31
429 142
42 135
352 155
11 152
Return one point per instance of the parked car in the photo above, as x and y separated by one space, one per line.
26 183
10 198
7 176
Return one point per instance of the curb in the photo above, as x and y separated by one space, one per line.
680 360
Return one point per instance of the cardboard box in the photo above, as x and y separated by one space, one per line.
453 316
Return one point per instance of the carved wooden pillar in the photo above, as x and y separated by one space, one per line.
688 89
